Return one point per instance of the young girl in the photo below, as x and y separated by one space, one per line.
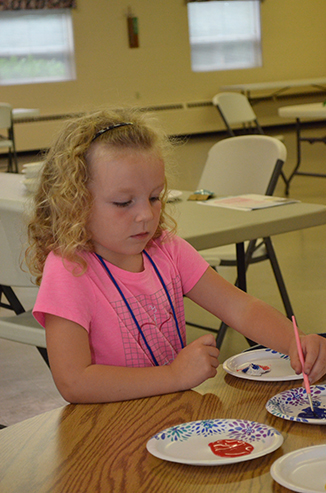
113 274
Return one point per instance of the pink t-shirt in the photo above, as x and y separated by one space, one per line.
92 301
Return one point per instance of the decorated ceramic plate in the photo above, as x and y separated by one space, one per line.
261 364
302 470
294 405
214 441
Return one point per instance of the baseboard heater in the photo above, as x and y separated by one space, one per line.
169 107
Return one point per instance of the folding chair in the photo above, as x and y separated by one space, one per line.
244 164
8 140
22 327
235 109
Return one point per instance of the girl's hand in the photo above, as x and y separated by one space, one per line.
196 362
314 352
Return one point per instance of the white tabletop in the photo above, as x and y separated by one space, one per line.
202 226
259 86
313 110
215 226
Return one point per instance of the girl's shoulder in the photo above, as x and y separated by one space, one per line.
55 263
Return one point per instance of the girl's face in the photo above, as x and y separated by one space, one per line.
126 187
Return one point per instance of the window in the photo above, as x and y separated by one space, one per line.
224 35
36 46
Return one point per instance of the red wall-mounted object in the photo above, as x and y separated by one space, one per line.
133 31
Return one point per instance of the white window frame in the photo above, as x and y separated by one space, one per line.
224 35
28 40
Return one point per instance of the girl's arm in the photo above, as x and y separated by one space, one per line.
80 381
259 322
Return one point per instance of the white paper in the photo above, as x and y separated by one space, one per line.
248 202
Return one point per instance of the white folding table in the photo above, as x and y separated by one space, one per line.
204 226
313 111
279 86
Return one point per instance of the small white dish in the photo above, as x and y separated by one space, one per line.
280 367
293 405
174 195
32 170
302 470
31 184
189 443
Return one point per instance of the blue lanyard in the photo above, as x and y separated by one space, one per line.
130 309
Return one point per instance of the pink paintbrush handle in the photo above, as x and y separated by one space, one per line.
306 382
305 377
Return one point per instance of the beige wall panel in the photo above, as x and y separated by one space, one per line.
159 71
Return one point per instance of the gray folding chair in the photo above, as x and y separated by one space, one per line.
245 164
22 327
8 140
235 109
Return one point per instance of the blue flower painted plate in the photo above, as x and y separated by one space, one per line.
193 443
293 405
279 367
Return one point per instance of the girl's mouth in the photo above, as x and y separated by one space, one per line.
140 236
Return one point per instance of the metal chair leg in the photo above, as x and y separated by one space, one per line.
223 326
43 352
221 334
278 277
15 305
13 302
279 280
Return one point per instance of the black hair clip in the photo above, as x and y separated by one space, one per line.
111 127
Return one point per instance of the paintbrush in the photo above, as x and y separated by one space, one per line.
305 377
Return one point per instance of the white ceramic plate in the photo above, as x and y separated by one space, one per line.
188 443
303 470
279 364
174 195
293 405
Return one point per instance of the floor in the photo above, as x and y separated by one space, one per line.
26 384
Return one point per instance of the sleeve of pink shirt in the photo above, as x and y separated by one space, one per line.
60 289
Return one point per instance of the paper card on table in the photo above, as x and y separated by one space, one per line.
249 202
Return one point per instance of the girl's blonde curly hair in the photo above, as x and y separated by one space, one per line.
63 202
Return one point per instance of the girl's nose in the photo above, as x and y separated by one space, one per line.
145 212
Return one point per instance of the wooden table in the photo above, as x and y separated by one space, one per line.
102 448
314 111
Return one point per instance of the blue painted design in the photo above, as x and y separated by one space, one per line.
257 370
209 427
236 429
176 433
319 413
293 404
281 355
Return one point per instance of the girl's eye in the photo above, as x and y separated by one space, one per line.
154 199
122 204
